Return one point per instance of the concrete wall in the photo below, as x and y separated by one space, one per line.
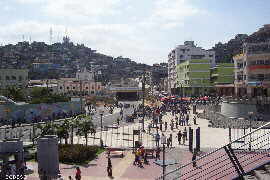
237 109
29 112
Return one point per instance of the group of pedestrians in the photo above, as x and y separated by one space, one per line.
140 157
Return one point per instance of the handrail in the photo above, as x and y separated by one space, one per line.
183 166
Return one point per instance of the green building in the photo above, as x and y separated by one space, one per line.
194 78
223 73
222 77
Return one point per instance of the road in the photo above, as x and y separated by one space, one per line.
108 119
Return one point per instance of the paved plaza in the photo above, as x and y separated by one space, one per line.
123 168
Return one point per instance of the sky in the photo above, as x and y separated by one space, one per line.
143 30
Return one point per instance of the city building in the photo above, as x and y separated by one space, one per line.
13 77
222 77
84 84
252 70
193 77
182 53
44 67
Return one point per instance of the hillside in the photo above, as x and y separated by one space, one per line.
225 51
64 59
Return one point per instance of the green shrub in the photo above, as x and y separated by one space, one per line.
77 153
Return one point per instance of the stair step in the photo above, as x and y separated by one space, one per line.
250 177
262 174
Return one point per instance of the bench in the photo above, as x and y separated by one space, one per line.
116 152
149 151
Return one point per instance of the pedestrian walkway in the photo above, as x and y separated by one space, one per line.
123 169
123 136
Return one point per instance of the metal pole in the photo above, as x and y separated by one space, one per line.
101 143
81 96
143 89
250 131
163 164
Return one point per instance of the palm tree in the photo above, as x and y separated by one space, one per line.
85 127
62 131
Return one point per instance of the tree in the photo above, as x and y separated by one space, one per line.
14 93
62 131
85 127
46 129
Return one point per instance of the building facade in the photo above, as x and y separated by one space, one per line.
252 70
222 77
84 84
182 53
193 77
13 77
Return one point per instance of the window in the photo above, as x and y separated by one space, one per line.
20 78
73 87
0 78
93 87
267 62
86 87
60 87
67 87
260 77
7 77
260 62
13 77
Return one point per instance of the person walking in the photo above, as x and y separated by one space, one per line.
157 138
168 142
171 140
187 120
158 154
194 158
160 126
185 135
179 136
109 166
78 175
118 121
194 120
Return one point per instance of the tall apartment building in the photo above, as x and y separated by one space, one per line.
182 53
252 70
13 77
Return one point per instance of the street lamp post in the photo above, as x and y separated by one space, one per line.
163 142
250 128
143 89
101 115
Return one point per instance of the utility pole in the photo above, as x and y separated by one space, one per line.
81 96
143 89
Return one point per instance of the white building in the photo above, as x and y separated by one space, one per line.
85 75
183 53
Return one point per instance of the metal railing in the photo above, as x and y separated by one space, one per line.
232 160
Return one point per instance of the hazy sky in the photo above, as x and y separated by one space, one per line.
143 30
